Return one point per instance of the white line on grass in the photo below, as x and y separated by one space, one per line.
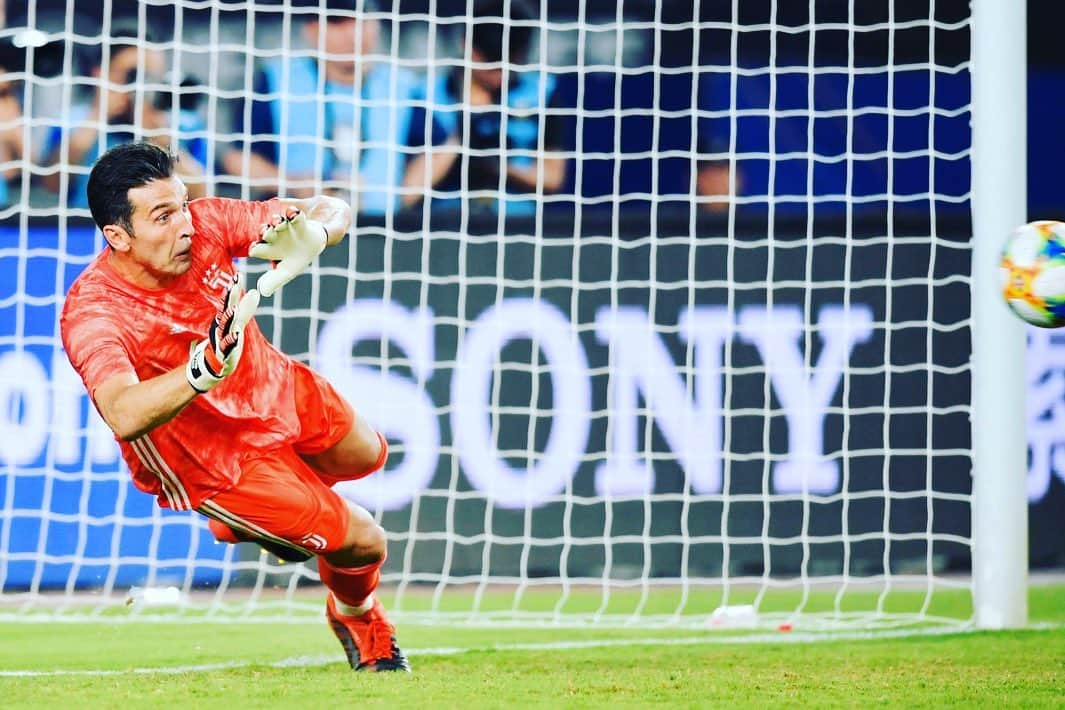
316 661
325 660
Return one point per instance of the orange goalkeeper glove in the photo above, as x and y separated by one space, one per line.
216 357
292 242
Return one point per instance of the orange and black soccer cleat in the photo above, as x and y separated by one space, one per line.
224 533
369 640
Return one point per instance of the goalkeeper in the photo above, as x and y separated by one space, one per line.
210 416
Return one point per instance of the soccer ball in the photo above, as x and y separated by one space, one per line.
1032 272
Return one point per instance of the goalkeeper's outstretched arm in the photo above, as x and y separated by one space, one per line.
133 407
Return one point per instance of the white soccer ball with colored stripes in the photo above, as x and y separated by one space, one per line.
1032 273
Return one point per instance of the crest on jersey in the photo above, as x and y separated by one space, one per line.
218 279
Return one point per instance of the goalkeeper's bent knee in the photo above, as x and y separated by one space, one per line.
381 458
375 466
331 479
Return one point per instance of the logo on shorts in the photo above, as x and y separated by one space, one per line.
313 541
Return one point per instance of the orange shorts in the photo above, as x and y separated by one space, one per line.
282 498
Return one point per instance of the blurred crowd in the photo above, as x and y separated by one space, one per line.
334 110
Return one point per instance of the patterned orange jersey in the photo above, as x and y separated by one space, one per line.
110 326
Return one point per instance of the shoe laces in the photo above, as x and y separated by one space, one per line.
379 635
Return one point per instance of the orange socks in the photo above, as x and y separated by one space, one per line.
351 586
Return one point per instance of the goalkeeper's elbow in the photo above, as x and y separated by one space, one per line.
131 434
130 428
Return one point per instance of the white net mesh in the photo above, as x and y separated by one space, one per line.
672 316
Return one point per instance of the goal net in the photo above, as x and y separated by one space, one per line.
669 324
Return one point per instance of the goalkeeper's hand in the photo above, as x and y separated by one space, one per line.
217 356
292 242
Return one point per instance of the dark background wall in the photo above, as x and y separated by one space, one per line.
1046 109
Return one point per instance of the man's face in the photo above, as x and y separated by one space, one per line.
161 238
125 62
122 74
346 41
488 79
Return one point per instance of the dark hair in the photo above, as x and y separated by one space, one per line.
124 35
488 36
119 170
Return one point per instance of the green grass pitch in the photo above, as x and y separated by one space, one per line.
259 664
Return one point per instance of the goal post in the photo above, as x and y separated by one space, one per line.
735 348
1000 445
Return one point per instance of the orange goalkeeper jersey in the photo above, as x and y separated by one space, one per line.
111 326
